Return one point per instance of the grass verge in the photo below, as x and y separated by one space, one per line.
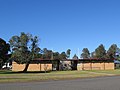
9 76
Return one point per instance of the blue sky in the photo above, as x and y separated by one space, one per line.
63 24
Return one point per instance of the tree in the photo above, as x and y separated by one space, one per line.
112 51
63 55
68 53
75 57
24 49
85 53
4 48
47 54
100 52
39 55
56 56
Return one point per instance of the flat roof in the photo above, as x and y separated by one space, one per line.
38 60
96 59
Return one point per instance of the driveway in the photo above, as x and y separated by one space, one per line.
100 83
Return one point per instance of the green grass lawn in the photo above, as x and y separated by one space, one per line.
9 76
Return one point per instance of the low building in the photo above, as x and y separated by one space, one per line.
35 65
91 64
76 64
95 64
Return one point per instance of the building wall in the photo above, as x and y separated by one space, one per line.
109 66
32 67
17 67
80 66
95 66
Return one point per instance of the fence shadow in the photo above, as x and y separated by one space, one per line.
21 72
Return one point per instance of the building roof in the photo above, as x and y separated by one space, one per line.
39 60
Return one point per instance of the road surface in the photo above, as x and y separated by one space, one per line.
100 83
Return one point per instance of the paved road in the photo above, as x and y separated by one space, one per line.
101 83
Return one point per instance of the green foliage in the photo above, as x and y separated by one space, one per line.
100 52
68 53
24 48
85 53
56 56
63 55
75 57
112 51
4 48
47 54
39 55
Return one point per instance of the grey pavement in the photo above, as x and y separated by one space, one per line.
100 83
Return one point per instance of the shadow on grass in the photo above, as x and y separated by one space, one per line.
21 72
11 78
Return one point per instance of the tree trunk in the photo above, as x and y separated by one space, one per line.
1 65
58 65
26 67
